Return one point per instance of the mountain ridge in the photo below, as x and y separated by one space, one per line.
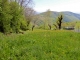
67 15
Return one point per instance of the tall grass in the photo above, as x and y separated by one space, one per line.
40 45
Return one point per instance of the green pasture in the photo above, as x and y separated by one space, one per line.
40 45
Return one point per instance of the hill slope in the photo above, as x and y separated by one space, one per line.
67 16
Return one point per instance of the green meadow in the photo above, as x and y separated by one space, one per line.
40 45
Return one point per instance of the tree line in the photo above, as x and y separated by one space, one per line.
15 15
47 18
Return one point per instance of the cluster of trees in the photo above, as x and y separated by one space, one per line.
15 15
48 20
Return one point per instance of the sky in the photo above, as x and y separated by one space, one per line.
57 5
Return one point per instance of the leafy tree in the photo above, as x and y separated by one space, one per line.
23 23
9 17
12 17
48 18
5 16
59 21
16 16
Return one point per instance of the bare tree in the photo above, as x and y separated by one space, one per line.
24 3
29 14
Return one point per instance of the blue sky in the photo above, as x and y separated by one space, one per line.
57 5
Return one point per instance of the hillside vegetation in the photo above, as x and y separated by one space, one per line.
68 16
28 35
40 45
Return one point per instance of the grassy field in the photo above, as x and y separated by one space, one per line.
40 45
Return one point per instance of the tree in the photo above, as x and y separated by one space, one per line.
48 18
59 21
29 15
16 16
28 12
12 17
9 17
24 3
34 21
5 16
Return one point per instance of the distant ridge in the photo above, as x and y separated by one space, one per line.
67 16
